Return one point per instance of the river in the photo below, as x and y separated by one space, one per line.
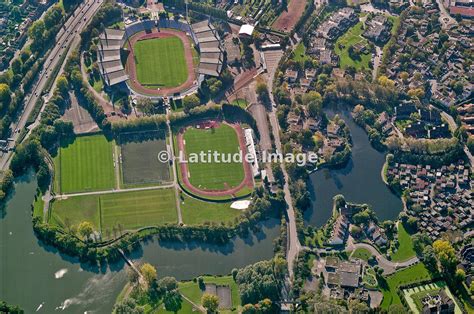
359 181
37 277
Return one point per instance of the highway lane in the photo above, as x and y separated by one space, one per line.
71 28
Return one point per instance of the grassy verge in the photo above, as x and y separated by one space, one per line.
362 254
412 274
405 249
198 212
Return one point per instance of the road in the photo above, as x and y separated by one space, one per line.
71 28
446 20
293 243
389 267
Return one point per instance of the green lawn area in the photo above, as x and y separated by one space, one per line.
133 210
74 210
362 253
125 211
191 290
405 249
85 165
38 205
350 38
300 53
160 62
197 212
243 103
213 175
415 273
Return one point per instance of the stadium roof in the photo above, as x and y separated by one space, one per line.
210 47
108 54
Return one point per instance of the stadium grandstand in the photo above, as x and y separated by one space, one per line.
211 59
110 66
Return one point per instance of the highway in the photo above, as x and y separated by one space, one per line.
71 28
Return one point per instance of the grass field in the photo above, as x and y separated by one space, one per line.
213 175
362 253
85 165
405 249
133 210
198 212
415 273
160 62
350 38
139 156
74 210
126 210
191 290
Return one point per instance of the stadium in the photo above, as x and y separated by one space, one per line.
160 58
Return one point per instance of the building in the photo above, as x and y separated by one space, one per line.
246 31
108 56
209 42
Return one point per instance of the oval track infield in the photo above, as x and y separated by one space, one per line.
164 66
213 179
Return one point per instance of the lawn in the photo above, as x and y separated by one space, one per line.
352 37
213 175
412 274
198 212
132 210
300 53
85 165
160 62
74 210
191 290
119 211
405 249
362 253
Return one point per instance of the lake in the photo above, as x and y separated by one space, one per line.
359 181
35 276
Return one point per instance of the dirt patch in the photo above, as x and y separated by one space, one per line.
223 293
288 19
80 118
132 71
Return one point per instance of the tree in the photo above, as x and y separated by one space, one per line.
190 102
149 273
168 283
85 229
16 66
172 301
210 302
385 81
460 276
4 92
429 258
446 255
356 306
420 241
128 306
63 85
146 106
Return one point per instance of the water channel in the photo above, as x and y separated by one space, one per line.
359 181
37 278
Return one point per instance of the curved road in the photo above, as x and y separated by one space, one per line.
389 267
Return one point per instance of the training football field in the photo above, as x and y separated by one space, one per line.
160 62
212 175
85 165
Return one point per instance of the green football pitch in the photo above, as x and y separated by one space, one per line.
213 175
126 210
85 165
160 62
